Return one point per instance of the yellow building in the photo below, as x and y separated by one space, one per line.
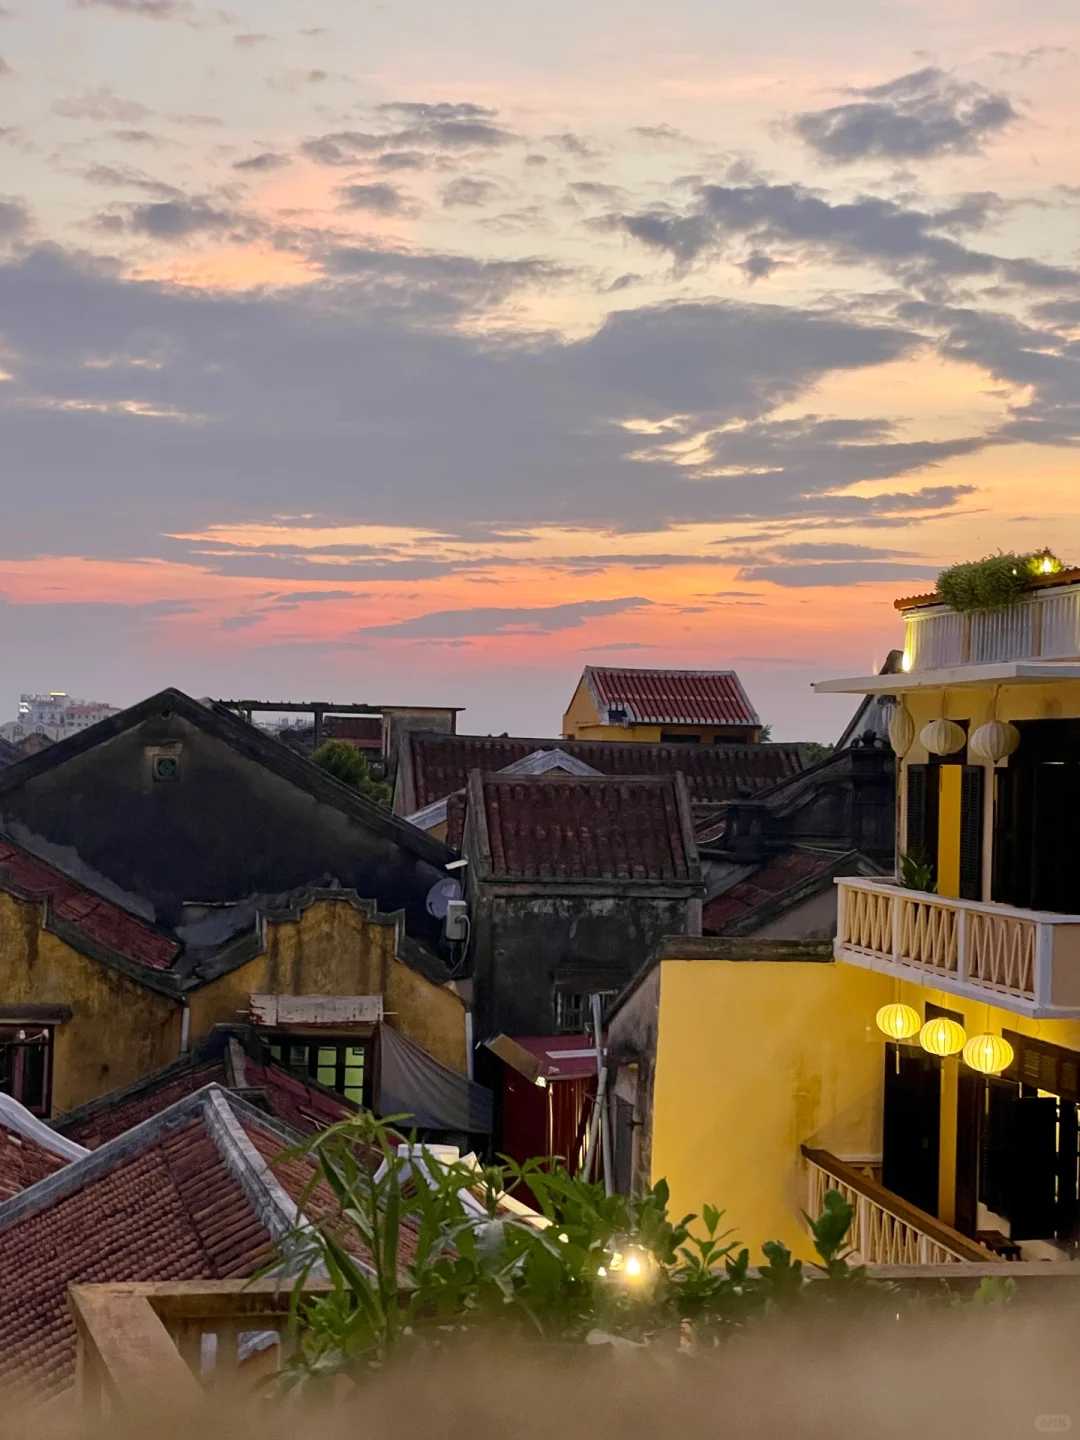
759 1079
93 998
697 707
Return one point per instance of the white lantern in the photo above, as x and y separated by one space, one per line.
901 730
994 741
943 737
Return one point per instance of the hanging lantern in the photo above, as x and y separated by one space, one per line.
943 737
898 1022
989 1054
901 730
942 1036
994 741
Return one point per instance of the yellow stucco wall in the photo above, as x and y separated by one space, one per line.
755 1059
334 949
581 721
119 1030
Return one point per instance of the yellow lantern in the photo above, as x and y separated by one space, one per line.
942 1036
989 1054
898 1022
943 737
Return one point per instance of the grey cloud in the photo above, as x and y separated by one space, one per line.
146 9
499 620
177 219
596 190
827 550
660 134
575 145
101 104
759 266
14 218
855 572
900 240
115 177
379 199
264 161
136 137
467 190
292 597
341 147
403 160
914 117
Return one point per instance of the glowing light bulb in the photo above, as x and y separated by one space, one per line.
905 662
633 1266
602 1273
564 1238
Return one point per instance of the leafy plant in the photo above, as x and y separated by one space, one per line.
996 581
917 873
345 763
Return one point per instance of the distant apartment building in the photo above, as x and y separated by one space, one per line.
56 715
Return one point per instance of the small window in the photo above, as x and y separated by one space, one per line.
678 737
164 762
573 1010
340 1065
26 1065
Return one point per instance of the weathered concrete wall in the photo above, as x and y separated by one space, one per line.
528 945
333 948
631 1039
227 828
119 1030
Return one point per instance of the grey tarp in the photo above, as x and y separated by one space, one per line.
435 1097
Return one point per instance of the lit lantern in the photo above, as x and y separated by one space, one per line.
989 1054
942 1036
943 737
994 741
901 730
898 1022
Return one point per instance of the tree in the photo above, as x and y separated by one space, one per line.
347 764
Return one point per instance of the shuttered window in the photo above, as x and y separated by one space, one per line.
922 813
971 832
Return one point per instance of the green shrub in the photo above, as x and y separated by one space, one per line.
995 581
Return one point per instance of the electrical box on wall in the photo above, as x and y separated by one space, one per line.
457 920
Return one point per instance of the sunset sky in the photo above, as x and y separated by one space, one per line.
407 352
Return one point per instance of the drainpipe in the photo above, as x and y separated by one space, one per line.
469 1044
185 1026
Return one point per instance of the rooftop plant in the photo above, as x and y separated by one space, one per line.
995 581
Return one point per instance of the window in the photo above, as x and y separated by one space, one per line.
573 1010
26 1065
338 1064
678 737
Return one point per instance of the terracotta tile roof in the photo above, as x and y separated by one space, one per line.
304 1107
560 827
102 923
184 1196
112 1114
789 870
23 1162
440 764
671 697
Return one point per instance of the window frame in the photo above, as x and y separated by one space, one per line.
281 1045
31 1030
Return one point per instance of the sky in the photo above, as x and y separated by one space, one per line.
416 353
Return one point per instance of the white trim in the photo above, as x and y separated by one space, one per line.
1021 672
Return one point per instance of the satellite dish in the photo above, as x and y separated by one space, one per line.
440 895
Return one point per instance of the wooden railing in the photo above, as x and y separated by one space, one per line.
162 1345
1045 626
886 1230
1023 960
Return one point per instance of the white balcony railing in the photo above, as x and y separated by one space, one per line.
1027 961
886 1230
1044 627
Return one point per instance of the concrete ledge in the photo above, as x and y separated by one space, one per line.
748 948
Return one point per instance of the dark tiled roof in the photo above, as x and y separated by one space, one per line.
569 828
23 1162
671 697
440 764
8 753
306 1108
765 888
102 923
112 1114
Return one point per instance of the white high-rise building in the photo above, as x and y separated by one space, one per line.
56 715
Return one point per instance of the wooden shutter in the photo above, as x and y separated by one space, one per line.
971 832
1068 1209
922 813
996 1146
912 1126
1033 1178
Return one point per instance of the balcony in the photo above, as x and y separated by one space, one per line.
1026 961
1044 627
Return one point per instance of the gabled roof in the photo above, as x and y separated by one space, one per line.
201 1191
433 765
247 740
227 1057
29 1149
670 697
537 762
81 916
559 828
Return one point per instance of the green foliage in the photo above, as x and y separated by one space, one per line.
995 581
917 873
347 764
603 1267
816 752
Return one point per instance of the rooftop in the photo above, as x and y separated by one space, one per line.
560 827
671 697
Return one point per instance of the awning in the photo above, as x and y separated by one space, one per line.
434 1097
546 1057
